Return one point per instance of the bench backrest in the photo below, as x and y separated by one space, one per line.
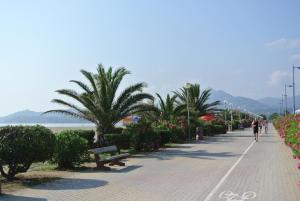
100 150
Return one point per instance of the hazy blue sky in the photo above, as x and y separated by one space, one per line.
244 47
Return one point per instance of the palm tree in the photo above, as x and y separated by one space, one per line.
196 100
168 109
98 101
165 111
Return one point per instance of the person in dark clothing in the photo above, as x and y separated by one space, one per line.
255 125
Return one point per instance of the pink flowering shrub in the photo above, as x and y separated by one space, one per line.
289 129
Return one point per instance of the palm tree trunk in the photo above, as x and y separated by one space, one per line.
99 137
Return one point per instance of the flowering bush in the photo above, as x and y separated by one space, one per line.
289 129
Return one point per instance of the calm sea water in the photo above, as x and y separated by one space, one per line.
65 125
53 125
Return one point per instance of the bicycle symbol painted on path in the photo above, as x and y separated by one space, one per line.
230 196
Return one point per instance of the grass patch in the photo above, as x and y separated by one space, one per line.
43 167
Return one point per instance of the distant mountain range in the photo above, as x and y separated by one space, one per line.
266 105
31 117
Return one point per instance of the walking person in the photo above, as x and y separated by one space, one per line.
266 126
255 125
260 124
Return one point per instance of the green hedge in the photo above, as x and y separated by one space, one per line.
170 135
20 146
117 130
143 137
211 129
164 135
145 141
89 135
70 149
122 141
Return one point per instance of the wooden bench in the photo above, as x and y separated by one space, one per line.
113 160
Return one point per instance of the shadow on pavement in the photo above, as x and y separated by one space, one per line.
113 170
6 197
127 169
178 146
199 154
71 184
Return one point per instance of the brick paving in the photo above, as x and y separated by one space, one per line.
186 172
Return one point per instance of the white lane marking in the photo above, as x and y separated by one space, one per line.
211 194
230 196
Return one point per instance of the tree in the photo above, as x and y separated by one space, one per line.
263 116
165 111
196 100
274 116
99 103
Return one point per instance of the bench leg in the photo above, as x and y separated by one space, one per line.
99 164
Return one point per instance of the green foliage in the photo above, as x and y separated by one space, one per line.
142 137
196 100
263 116
70 149
117 130
164 134
20 146
235 124
177 135
289 129
246 123
274 116
89 135
211 128
169 133
122 141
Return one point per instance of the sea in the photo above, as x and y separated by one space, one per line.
58 125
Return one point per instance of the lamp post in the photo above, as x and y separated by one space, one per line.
294 99
280 107
282 100
231 117
225 109
245 111
285 95
188 86
239 110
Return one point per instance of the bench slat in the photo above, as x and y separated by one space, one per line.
104 149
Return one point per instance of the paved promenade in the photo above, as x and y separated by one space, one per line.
224 168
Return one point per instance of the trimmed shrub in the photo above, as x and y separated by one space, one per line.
117 130
208 129
235 124
211 129
70 149
122 141
89 135
143 137
177 135
20 146
170 133
219 129
146 141
164 135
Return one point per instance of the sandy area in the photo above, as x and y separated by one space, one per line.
58 129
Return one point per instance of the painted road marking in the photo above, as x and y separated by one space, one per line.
211 194
230 196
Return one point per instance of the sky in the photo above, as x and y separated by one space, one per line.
246 48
